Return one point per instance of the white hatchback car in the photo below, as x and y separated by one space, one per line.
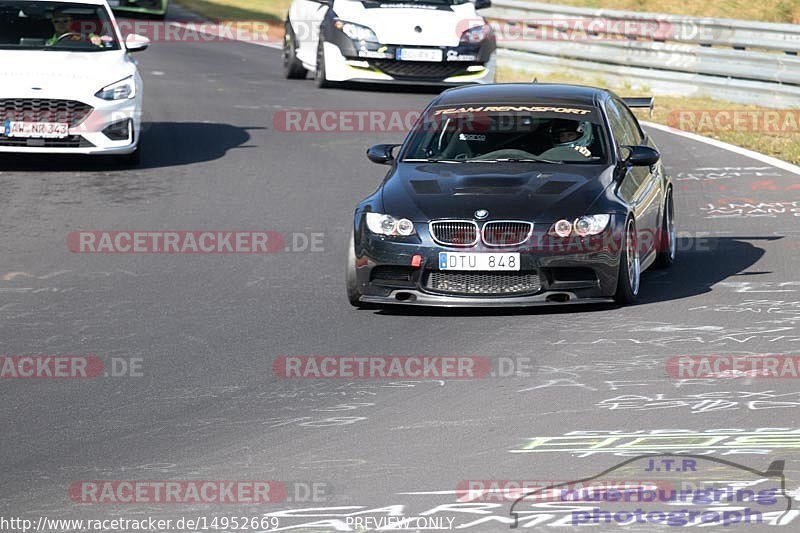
67 81
439 42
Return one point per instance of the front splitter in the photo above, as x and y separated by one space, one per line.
413 297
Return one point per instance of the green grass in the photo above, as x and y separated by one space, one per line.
271 11
765 10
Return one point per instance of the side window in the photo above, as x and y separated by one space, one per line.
630 122
623 135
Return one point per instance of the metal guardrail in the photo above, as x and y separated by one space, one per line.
774 68
741 56
696 30
656 81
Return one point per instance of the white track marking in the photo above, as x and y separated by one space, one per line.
794 169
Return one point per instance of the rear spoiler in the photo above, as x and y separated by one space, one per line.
646 102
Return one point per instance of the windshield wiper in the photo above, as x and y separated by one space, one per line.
435 160
517 160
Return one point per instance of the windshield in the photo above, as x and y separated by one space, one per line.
529 133
60 26
417 2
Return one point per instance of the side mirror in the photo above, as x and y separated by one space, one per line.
136 43
381 153
641 156
483 4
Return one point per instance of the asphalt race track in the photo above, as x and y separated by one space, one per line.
205 329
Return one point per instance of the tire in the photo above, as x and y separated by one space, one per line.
293 69
351 280
319 74
629 266
667 244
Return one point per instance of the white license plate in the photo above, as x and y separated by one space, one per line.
419 54
44 130
113 3
472 261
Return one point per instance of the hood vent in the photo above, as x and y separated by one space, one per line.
491 185
486 190
555 187
426 186
487 182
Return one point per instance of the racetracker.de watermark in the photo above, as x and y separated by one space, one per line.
68 367
194 242
576 29
469 119
777 121
345 120
189 31
177 491
733 366
436 367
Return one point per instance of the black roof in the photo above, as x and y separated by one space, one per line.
551 93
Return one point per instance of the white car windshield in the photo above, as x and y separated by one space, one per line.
419 2
61 26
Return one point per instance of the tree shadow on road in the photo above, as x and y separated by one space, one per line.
701 263
163 144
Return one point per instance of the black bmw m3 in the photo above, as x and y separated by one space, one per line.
514 195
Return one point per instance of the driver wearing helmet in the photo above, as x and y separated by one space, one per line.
570 137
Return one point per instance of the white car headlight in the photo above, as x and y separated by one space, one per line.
121 90
381 224
357 32
591 225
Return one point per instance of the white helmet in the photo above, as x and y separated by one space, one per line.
571 133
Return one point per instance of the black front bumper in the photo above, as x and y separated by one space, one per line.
579 270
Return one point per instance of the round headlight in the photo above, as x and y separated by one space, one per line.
563 228
405 227
591 224
583 226
388 224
